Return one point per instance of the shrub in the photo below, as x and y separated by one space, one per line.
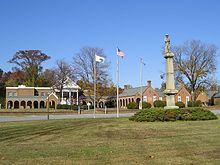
146 105
144 115
196 103
132 105
159 103
150 115
171 115
157 114
73 107
201 114
65 106
110 104
180 104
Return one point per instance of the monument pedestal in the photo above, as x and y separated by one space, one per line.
171 102
170 83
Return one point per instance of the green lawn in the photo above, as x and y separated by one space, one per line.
109 141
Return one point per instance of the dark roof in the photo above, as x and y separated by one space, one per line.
160 92
217 95
132 91
210 94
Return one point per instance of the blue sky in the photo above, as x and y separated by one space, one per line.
61 27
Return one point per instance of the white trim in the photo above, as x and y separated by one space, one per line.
24 87
53 94
179 99
49 88
154 98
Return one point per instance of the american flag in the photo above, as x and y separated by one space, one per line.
120 53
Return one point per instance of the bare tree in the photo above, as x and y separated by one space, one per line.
83 62
29 61
195 63
63 72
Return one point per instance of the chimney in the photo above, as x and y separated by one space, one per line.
127 86
149 83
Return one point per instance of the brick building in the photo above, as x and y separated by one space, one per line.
183 95
207 97
216 98
23 97
150 95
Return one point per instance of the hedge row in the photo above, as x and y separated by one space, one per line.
73 107
156 114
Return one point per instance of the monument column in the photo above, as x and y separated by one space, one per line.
170 90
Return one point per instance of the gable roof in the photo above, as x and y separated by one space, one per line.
217 95
52 94
132 91
160 92
70 84
210 94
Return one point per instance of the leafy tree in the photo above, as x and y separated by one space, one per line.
47 78
195 63
14 78
29 61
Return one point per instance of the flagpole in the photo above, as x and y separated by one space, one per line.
117 75
94 87
141 101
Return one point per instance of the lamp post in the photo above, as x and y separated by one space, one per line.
48 102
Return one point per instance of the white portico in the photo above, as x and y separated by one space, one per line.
70 93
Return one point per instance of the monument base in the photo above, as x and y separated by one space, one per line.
171 102
171 107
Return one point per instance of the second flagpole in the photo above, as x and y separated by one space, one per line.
117 77
94 87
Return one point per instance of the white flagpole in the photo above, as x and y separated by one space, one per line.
94 87
141 101
117 86
141 77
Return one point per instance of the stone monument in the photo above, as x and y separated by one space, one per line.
170 90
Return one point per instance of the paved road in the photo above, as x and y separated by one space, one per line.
44 117
217 112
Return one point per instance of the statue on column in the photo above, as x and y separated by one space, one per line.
167 43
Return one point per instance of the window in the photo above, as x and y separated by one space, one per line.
42 94
36 92
9 93
154 98
145 99
14 93
179 98
187 98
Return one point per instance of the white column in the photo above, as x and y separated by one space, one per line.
62 97
69 97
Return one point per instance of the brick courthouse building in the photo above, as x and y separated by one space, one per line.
150 95
23 97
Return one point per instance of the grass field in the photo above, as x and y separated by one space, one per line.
109 141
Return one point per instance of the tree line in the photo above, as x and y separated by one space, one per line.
194 61
28 71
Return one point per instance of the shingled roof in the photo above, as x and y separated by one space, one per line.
210 94
160 92
217 95
132 91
